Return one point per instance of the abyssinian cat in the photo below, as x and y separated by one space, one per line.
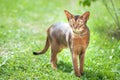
74 35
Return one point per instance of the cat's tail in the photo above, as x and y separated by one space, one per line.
45 48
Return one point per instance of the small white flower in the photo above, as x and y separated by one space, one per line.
110 57
113 38
112 50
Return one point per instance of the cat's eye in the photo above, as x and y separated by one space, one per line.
80 21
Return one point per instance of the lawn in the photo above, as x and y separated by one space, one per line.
23 25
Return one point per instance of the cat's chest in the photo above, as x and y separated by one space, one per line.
79 41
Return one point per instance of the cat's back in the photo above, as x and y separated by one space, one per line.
60 32
61 27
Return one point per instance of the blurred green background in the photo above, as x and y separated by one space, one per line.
23 25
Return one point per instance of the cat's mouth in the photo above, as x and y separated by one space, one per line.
78 31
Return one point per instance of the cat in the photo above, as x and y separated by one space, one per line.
73 35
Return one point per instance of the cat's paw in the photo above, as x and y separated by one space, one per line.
78 74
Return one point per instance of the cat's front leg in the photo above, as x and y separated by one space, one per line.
75 64
81 60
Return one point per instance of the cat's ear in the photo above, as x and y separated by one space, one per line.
86 15
68 14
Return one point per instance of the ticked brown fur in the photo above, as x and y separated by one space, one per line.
74 35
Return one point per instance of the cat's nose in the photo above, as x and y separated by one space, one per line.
76 26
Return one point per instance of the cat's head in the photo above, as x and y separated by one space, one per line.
77 22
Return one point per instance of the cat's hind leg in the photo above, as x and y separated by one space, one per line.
55 49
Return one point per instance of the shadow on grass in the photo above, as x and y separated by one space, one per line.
65 67
92 75
97 75
88 74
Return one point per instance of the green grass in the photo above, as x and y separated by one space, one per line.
23 25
